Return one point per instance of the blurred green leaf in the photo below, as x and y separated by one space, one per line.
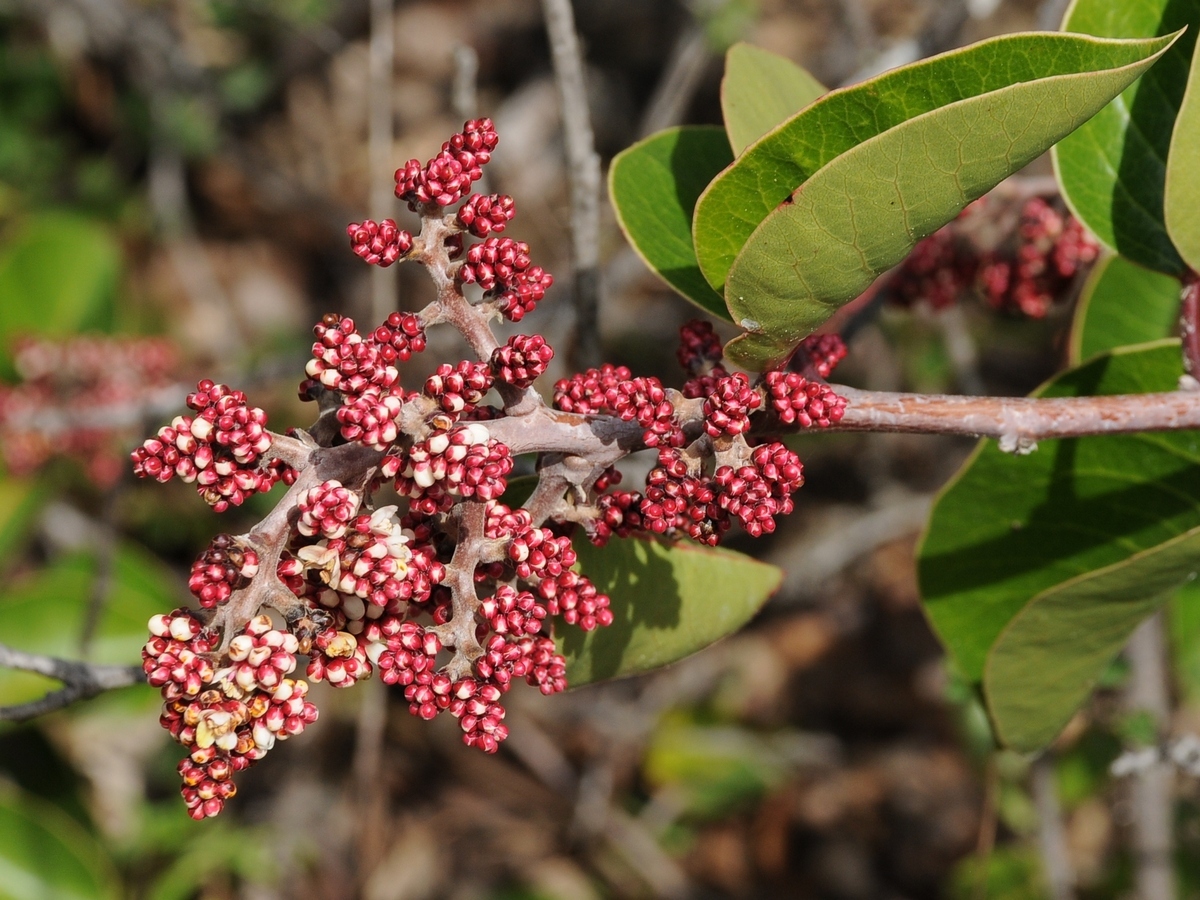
218 848
190 124
668 601
718 768
44 612
519 490
654 185
20 502
1181 193
1123 303
726 21
246 85
1183 618
46 855
1113 169
43 292
761 90
1066 524
864 210
1006 873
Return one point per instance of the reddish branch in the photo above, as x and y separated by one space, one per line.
577 447
1018 422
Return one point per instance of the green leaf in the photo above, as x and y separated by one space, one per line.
864 211
1048 659
1112 170
1123 303
20 502
654 185
1181 200
761 90
45 611
668 602
1184 628
58 274
716 769
770 170
47 855
1008 528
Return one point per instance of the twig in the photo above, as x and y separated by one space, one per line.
106 553
80 681
827 548
583 172
1052 841
1150 789
685 70
939 33
381 56
1050 14
1018 422
463 91
169 202
988 820
961 349
370 734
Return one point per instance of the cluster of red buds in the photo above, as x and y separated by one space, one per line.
82 398
1052 246
700 489
1024 270
453 595
220 449
227 718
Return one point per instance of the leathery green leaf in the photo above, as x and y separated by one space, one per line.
772 168
863 212
1113 169
1008 528
1046 662
668 601
1123 303
1181 201
654 185
759 91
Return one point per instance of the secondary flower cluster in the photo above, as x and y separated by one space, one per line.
1026 272
227 718
80 398
453 594
220 449
699 488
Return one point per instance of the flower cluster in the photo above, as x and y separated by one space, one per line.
221 569
1051 248
446 179
220 449
1024 271
378 243
503 269
227 718
452 596
750 483
78 398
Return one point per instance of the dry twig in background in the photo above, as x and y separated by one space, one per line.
583 171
